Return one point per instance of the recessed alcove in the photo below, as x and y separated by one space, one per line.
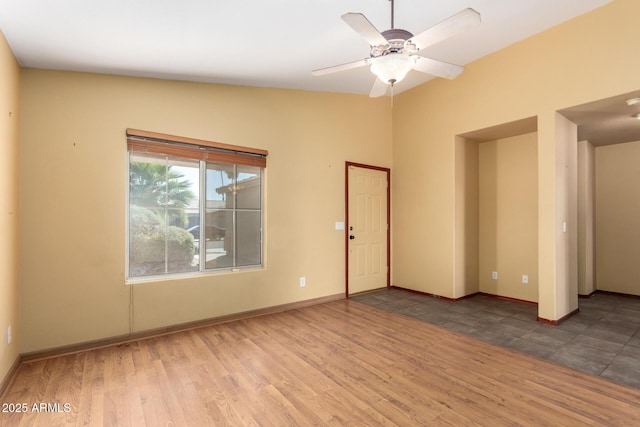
597 212
497 211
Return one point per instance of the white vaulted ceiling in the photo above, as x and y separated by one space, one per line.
272 43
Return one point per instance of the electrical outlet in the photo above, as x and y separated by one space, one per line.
494 275
9 335
525 279
303 282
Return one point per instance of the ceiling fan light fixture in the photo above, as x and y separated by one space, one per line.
394 52
391 68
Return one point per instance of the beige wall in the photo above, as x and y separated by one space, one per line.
565 296
508 216
73 185
9 290
467 224
618 218
583 60
586 217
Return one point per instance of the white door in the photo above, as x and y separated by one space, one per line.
367 227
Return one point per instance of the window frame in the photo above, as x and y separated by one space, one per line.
178 148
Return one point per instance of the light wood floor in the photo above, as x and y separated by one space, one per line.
340 363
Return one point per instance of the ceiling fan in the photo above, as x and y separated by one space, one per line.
395 52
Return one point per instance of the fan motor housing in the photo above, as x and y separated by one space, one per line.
397 39
397 34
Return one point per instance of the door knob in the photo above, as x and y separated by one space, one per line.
351 237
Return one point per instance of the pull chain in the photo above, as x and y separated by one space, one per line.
392 92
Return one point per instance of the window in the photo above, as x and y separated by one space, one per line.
193 206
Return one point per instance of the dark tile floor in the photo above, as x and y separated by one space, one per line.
602 339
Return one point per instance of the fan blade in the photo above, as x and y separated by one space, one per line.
341 67
437 68
445 29
362 26
379 89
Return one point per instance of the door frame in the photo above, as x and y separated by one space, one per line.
346 228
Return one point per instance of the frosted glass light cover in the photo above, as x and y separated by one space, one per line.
391 68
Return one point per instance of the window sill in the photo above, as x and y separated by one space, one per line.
191 275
